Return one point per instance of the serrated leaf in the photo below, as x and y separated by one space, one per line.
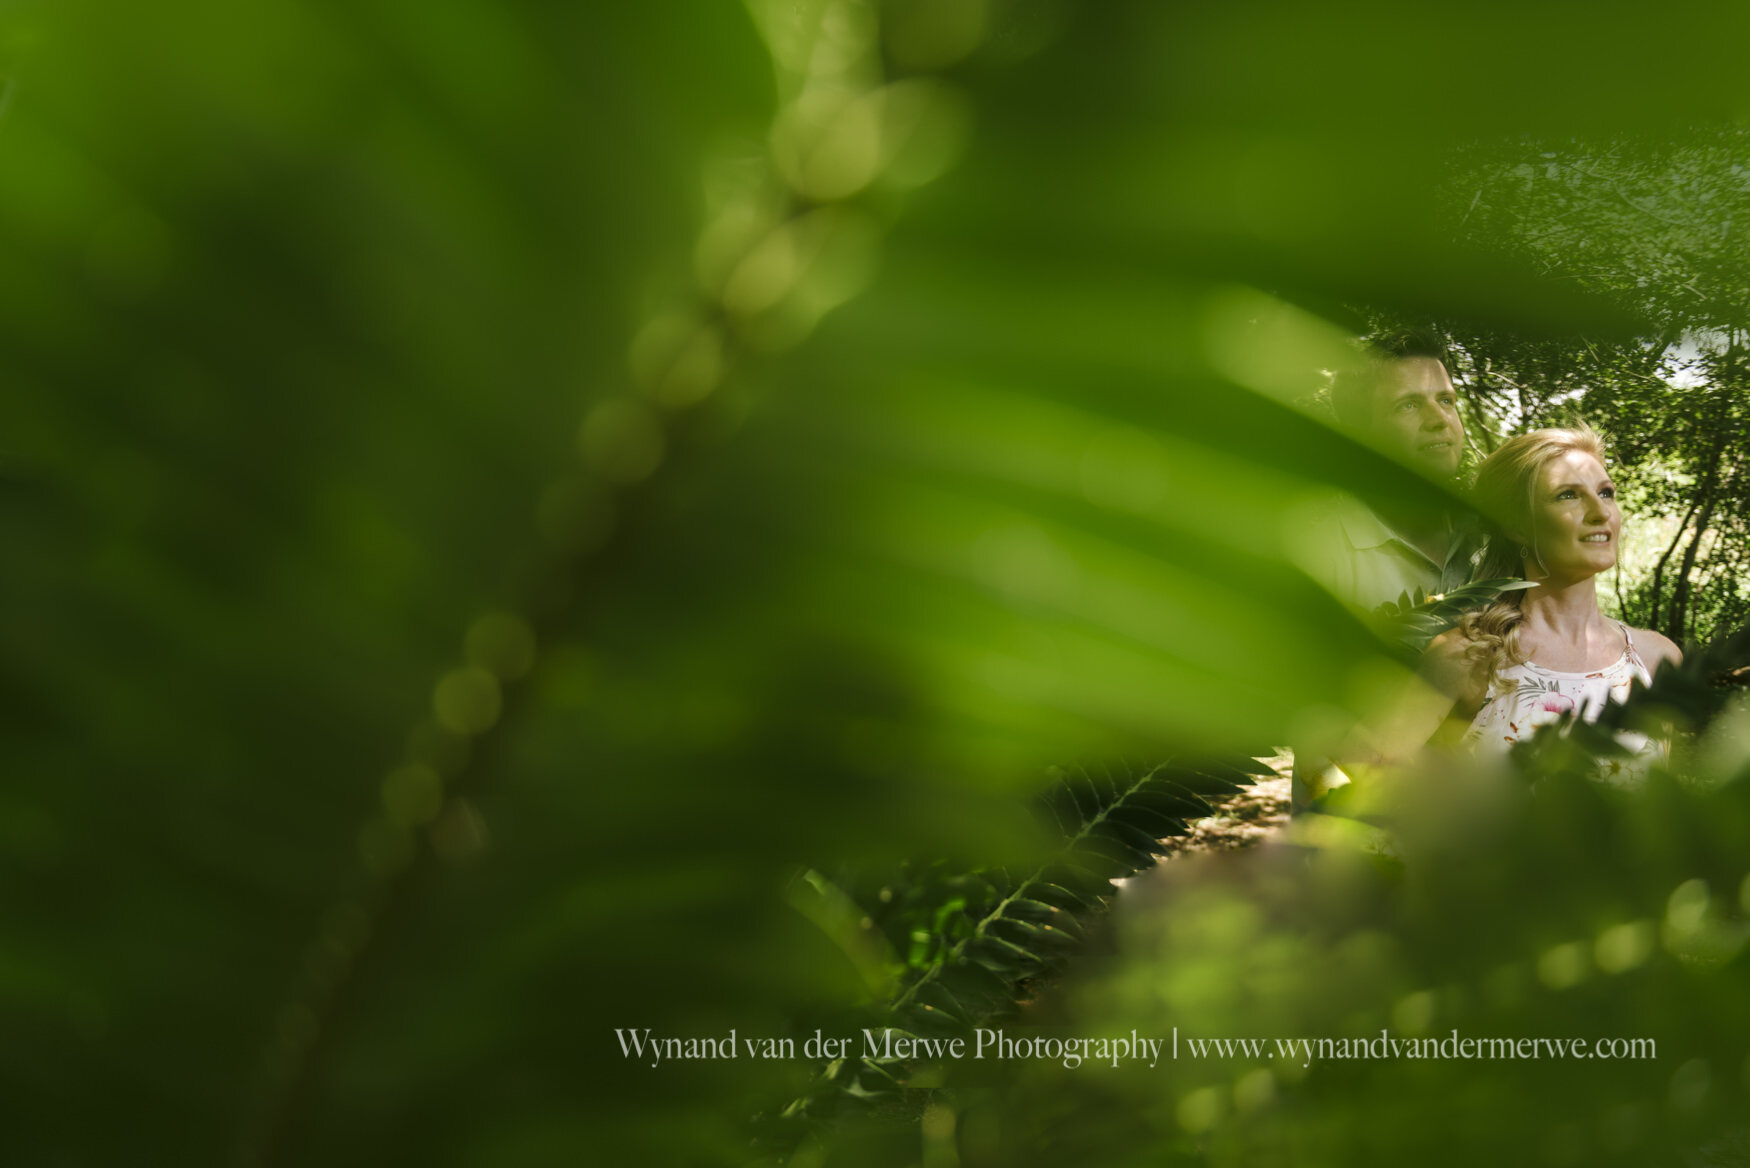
927 1018
1169 798
1041 939
1004 957
1083 797
1133 837
1225 769
1118 859
1200 781
1067 897
984 992
935 993
1038 912
1151 823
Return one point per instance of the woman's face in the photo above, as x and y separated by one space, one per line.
1574 517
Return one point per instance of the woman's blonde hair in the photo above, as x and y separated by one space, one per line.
1505 494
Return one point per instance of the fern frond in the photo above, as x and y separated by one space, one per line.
987 935
1410 624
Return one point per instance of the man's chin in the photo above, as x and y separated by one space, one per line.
1441 464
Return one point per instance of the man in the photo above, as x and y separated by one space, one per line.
1400 401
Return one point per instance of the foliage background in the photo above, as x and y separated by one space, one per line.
492 490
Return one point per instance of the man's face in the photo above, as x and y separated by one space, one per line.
1415 415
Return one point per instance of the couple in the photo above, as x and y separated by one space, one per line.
1549 515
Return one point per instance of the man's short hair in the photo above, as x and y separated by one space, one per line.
1352 389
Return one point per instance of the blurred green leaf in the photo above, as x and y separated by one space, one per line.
856 409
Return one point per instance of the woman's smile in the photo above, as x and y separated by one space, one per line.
1575 503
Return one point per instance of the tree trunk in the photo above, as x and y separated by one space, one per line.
1678 629
1651 620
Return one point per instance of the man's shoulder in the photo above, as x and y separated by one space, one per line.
1350 549
1338 515
1339 541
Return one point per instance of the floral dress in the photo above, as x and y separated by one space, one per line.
1526 696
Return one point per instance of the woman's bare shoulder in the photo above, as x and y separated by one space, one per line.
1655 648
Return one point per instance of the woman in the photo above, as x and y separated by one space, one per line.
1539 653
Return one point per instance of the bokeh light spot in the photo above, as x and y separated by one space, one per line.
1414 1013
1623 947
933 34
677 360
1562 966
766 274
1254 1090
412 795
1200 1110
466 701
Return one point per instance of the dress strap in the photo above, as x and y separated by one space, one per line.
1634 656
